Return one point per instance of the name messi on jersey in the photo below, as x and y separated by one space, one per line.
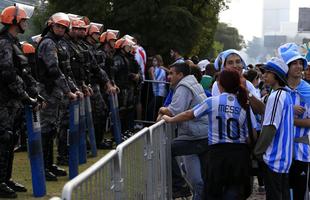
229 109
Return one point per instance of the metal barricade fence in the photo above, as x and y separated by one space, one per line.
100 181
139 169
133 154
161 135
149 102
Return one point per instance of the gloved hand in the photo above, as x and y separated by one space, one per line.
30 101
42 103
40 98
72 96
79 94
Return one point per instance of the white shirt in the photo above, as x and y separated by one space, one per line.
140 57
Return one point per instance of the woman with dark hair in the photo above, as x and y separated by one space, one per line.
228 154
157 73
232 59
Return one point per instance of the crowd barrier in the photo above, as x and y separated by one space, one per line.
138 169
149 104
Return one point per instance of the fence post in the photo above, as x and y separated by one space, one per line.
117 179
150 171
169 130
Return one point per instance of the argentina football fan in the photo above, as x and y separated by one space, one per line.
228 153
232 59
191 135
275 145
300 93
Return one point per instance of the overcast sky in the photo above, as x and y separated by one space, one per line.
246 15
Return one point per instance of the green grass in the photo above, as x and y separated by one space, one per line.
22 174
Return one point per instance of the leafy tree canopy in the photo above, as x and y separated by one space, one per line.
189 25
229 37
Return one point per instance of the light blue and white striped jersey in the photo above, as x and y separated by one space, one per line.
226 118
279 113
159 89
258 117
301 151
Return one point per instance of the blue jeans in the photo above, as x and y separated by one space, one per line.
190 151
191 169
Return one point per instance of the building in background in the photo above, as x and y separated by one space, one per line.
281 22
275 12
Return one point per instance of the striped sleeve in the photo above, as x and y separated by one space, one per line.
160 75
202 108
307 114
274 109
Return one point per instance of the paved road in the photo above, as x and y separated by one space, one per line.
256 195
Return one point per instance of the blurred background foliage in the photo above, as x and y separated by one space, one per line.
189 25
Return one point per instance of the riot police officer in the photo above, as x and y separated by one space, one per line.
74 62
13 91
65 66
99 81
53 86
107 44
127 79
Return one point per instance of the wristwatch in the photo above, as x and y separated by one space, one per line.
250 95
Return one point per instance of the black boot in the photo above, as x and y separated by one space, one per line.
105 144
20 149
10 166
49 176
57 171
7 192
46 140
62 147
17 187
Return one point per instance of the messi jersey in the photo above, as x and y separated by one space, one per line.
226 118
301 151
279 113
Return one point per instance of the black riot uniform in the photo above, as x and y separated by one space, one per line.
126 68
15 77
53 86
98 79
65 67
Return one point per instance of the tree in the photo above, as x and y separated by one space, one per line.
255 48
229 37
189 25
